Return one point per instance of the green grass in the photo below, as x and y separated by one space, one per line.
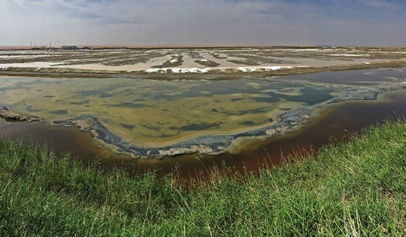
351 189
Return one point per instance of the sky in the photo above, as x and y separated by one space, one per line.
203 22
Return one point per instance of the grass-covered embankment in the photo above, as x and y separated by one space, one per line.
355 188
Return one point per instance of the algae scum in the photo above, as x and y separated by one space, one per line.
159 118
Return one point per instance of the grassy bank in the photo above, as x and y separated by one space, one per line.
357 188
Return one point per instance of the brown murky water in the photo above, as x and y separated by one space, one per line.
334 124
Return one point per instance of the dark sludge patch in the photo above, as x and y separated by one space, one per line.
197 126
266 99
59 112
287 90
255 123
166 135
250 111
96 93
151 127
127 126
309 95
105 95
250 123
30 109
253 111
285 109
82 102
129 105
139 99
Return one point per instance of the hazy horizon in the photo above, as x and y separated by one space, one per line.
203 23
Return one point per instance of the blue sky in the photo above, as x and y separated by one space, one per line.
203 22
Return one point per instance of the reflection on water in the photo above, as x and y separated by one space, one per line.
358 77
59 140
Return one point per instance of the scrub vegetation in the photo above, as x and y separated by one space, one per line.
355 188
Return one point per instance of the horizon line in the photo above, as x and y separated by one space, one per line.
163 46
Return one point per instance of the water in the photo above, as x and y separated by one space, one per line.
155 113
357 77
334 124
166 107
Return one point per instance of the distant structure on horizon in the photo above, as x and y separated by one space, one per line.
63 47
73 47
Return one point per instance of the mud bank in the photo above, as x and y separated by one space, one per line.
6 114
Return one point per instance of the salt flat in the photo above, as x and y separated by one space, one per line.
195 60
